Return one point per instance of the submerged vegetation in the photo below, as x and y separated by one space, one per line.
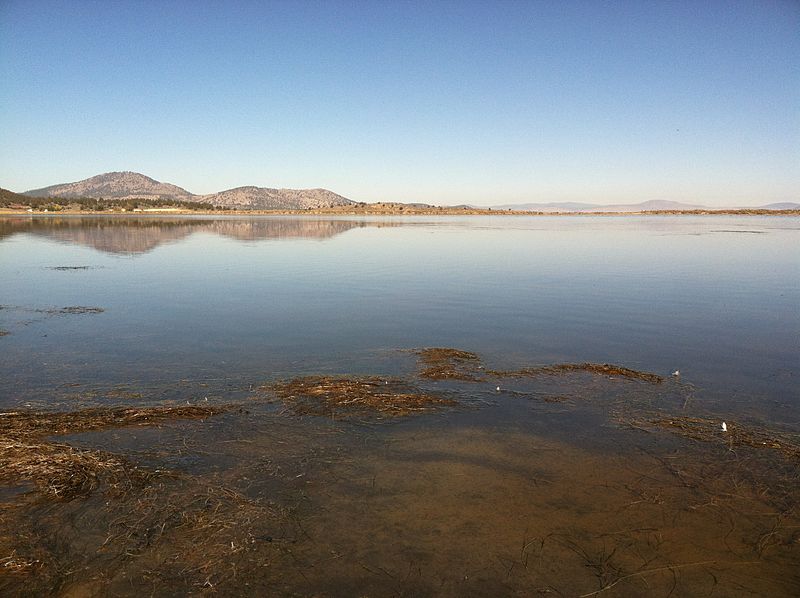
602 369
440 363
733 435
65 472
303 496
332 396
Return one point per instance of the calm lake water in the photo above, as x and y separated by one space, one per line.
546 480
717 298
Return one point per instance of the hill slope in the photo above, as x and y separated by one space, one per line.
132 185
8 198
115 185
265 198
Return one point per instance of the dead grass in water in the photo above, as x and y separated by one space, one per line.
27 424
706 429
64 472
440 363
76 309
209 526
601 369
330 395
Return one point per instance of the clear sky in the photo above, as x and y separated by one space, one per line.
484 103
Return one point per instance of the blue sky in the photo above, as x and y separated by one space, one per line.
441 102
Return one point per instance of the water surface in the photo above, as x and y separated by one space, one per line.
714 297
567 483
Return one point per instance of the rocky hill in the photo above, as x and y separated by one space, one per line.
115 185
132 185
264 198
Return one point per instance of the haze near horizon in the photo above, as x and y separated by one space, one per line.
456 103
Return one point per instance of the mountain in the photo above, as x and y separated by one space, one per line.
265 198
115 185
565 206
645 206
785 205
132 185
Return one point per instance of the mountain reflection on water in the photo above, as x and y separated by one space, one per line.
134 234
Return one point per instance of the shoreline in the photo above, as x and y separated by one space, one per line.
395 211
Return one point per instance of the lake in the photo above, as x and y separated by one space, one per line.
528 466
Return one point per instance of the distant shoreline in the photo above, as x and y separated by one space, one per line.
394 210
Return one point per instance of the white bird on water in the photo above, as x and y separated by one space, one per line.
724 427
676 373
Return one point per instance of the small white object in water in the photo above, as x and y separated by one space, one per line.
498 389
724 427
676 373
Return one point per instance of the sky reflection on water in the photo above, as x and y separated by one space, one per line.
248 298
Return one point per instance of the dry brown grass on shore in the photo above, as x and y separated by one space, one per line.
330 395
64 472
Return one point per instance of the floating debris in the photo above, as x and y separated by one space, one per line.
329 395
4 332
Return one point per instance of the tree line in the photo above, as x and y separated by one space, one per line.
92 204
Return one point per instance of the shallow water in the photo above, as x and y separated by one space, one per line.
552 485
247 298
